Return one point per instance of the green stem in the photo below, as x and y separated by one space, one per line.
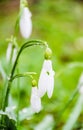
24 75
26 45
5 101
18 106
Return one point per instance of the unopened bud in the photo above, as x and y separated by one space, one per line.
23 3
48 53
34 83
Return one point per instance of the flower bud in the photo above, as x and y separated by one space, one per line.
25 23
34 83
23 3
48 53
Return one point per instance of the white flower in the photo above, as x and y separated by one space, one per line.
8 53
80 84
25 23
35 100
46 79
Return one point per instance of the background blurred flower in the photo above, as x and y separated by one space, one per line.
25 23
8 52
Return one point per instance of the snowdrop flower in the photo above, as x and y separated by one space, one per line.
80 84
9 52
25 23
46 79
35 99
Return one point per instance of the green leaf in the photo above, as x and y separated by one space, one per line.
74 115
9 124
46 123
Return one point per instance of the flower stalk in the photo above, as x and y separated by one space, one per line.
24 75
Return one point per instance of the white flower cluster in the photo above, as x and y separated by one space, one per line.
46 79
45 84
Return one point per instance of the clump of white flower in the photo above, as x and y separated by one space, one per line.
35 99
25 21
46 79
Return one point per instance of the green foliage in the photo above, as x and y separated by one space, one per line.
9 124
74 114
60 24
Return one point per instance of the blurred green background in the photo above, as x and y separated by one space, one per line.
60 23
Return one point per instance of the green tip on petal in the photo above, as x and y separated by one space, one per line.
34 83
23 3
48 53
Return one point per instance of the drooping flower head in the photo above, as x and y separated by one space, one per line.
25 20
46 79
35 99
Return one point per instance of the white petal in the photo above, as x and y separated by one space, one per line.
50 84
42 83
26 23
46 81
9 51
47 65
35 100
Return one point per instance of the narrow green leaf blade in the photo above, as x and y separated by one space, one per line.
75 114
